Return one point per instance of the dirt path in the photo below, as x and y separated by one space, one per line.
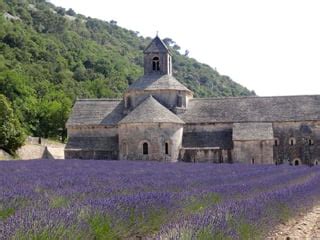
305 226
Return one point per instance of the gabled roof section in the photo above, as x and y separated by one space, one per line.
252 109
158 82
221 139
252 131
106 112
156 46
151 111
93 143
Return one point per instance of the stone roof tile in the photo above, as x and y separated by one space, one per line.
221 139
252 109
157 82
156 46
90 143
96 112
151 111
252 131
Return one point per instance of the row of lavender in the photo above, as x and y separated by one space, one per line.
120 199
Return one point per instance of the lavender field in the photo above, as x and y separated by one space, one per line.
147 200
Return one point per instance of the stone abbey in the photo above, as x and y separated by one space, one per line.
158 119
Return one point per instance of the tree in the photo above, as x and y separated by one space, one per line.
169 42
11 133
71 12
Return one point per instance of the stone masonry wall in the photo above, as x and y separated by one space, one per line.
92 142
132 136
167 98
254 152
297 141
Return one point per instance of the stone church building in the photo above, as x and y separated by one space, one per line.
158 119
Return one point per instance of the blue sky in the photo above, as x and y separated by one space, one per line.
272 47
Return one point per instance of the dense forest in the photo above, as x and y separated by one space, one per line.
49 56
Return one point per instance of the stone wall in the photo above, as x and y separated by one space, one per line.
92 131
156 135
211 155
297 142
254 152
164 60
92 142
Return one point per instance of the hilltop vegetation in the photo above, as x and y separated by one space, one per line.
49 56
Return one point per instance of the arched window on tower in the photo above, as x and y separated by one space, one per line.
155 64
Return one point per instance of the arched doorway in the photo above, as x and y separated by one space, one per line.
296 162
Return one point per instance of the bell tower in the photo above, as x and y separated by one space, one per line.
157 58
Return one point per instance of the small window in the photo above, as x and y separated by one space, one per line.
276 142
179 101
129 102
155 64
296 162
310 142
316 162
252 161
167 148
125 148
145 149
292 141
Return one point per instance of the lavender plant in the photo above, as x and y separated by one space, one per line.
86 199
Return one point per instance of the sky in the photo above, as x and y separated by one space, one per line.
269 46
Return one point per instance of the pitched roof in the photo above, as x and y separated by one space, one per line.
156 45
157 82
151 111
252 131
221 139
253 109
90 143
96 112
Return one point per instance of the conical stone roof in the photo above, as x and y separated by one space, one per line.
156 46
151 111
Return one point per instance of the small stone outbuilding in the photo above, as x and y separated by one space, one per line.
158 119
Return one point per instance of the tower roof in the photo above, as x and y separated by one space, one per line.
151 111
156 46
158 82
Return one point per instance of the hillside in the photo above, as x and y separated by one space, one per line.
49 56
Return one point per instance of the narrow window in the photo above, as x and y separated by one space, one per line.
129 102
179 101
252 160
145 149
292 141
125 148
276 142
167 148
310 141
155 64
